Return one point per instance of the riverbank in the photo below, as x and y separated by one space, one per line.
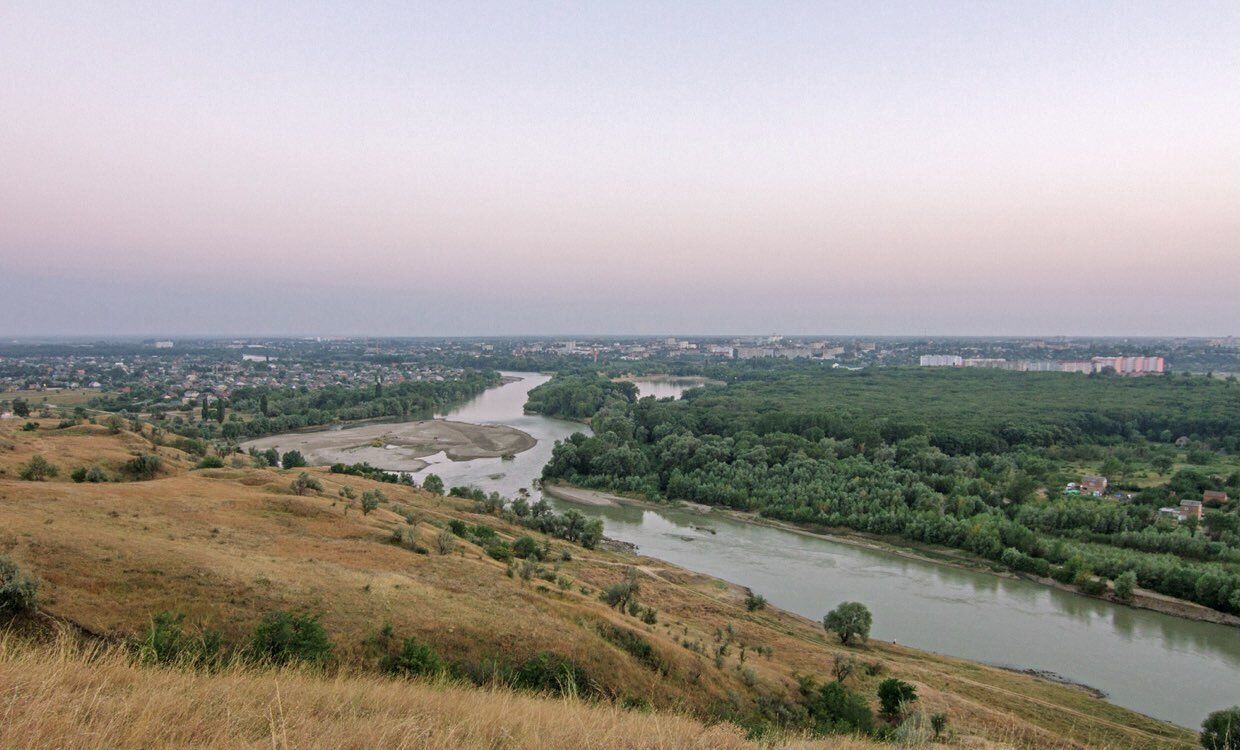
696 380
401 446
1142 599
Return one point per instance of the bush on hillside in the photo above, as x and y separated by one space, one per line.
144 466
38 469
286 638
166 642
19 592
414 659
894 695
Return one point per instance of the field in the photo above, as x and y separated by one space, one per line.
225 546
62 397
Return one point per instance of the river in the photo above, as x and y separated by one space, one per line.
1169 668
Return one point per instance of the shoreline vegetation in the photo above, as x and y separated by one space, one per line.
986 463
1142 599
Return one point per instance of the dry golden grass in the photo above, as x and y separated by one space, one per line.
226 546
62 698
63 397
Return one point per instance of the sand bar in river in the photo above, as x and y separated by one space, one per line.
400 446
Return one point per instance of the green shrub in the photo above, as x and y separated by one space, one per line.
371 500
166 642
634 644
19 592
414 658
285 638
1125 585
754 602
144 466
549 672
292 460
38 469
211 462
305 483
834 709
894 695
525 547
78 475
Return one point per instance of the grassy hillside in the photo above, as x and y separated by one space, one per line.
118 705
226 546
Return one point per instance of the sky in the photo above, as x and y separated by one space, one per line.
471 168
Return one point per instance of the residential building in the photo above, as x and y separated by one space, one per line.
1213 498
1093 484
941 360
1191 508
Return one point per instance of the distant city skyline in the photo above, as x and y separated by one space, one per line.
479 168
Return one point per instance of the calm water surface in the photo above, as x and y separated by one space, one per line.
1172 669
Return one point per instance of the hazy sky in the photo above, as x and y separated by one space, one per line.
576 167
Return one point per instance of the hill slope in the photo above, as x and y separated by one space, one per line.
226 546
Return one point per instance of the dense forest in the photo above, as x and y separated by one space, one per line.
974 460
256 411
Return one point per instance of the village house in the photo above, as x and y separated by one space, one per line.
1191 508
1213 498
1094 485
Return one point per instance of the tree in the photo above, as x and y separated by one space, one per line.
219 411
304 483
848 621
1162 463
1221 730
754 602
205 409
114 424
21 408
38 469
591 533
842 666
1125 584
262 405
292 460
893 695
620 595
271 456
433 484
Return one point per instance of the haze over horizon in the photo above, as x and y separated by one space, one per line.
722 168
